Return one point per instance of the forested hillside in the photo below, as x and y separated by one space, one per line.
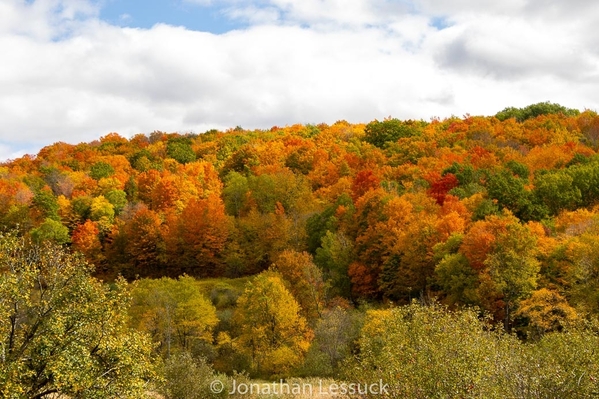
285 252
497 211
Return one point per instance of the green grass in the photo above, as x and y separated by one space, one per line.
235 284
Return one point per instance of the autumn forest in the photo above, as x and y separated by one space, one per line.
436 254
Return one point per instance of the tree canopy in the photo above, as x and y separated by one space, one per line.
371 211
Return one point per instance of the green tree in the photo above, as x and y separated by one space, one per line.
457 279
118 199
235 193
100 170
319 224
585 177
81 208
557 192
180 150
46 203
513 267
510 193
380 134
63 332
518 169
568 364
174 312
334 258
534 110
51 230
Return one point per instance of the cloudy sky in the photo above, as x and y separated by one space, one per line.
75 70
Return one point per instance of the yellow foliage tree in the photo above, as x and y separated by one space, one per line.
304 281
546 310
273 334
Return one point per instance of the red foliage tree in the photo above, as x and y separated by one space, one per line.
364 181
442 186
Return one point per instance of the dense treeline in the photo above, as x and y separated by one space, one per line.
497 212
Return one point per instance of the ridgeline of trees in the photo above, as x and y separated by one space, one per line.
285 252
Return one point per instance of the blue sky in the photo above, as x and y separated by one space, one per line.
76 70
145 14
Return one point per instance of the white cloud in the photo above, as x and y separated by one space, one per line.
70 77
321 13
43 19
509 48
450 8
254 15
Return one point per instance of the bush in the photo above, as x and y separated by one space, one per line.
431 352
188 378
334 340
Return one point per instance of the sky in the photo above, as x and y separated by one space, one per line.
76 70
